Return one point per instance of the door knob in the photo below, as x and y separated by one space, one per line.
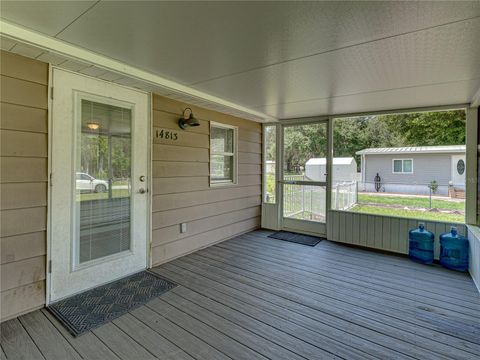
142 191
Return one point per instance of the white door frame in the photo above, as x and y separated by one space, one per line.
297 225
148 195
276 210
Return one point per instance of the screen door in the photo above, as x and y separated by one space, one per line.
304 177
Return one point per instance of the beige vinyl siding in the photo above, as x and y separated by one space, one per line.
181 189
23 177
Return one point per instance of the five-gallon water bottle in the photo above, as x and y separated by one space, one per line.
421 244
454 250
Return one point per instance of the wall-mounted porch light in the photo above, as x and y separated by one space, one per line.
188 119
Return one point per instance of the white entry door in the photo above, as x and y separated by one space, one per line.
99 164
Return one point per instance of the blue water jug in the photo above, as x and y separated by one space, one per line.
454 250
421 244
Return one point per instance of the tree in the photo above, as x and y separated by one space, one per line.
356 133
428 128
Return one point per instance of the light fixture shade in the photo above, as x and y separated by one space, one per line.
187 121
93 126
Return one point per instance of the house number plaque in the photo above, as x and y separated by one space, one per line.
166 134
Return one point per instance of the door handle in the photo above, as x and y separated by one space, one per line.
142 191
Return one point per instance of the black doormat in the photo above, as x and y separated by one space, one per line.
296 238
90 309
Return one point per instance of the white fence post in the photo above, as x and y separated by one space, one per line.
336 196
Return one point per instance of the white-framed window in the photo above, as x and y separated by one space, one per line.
402 166
223 154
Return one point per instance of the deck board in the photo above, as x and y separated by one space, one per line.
88 346
14 337
255 297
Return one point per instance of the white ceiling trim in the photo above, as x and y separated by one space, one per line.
72 52
476 99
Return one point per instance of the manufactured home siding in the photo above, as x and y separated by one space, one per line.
23 177
181 189
426 168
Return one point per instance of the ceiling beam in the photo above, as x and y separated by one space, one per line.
73 52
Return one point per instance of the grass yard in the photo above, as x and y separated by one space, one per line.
413 201
116 193
414 214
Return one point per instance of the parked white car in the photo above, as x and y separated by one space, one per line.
88 183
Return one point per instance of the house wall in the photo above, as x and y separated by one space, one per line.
23 178
426 168
180 184
181 190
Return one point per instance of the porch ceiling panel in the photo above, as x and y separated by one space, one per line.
287 59
47 17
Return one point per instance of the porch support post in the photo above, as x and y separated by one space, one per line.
471 166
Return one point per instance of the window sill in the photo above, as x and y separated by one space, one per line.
223 183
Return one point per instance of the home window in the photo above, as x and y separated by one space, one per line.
403 166
223 154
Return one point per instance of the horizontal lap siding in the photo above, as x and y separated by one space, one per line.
380 232
181 189
23 177
426 168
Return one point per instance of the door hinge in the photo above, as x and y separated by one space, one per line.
50 180
49 266
51 93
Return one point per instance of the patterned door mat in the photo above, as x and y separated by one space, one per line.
92 308
296 238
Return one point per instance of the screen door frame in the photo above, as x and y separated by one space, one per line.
316 228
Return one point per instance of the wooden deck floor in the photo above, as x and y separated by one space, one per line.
255 298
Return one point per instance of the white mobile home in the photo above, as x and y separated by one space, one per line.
344 169
412 169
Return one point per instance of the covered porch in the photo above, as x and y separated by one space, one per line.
176 137
253 297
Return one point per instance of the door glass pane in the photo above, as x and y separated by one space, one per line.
270 162
304 152
305 202
103 181
221 140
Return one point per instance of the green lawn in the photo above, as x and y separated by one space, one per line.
116 193
388 205
413 201
413 214
270 186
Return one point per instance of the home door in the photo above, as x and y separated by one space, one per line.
98 185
